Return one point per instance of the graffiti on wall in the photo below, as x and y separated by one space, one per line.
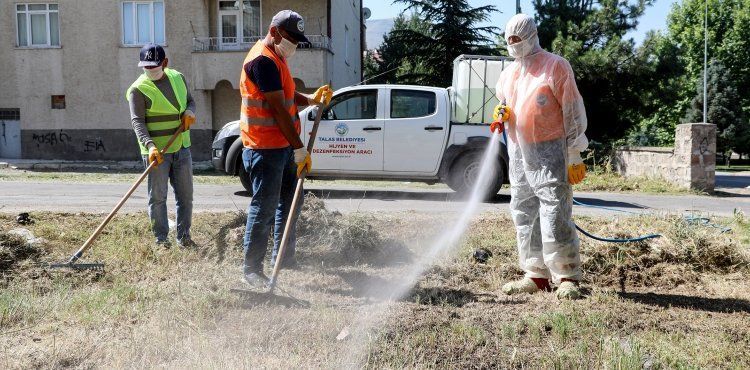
94 145
51 138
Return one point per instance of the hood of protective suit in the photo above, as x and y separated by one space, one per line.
523 26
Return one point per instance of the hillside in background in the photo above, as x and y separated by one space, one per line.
376 30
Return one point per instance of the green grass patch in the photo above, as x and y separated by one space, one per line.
612 182
732 168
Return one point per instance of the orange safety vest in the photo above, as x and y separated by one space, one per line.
258 127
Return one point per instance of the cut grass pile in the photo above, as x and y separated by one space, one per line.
173 308
685 252
337 240
14 251
328 238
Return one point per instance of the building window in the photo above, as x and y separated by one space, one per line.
239 21
10 114
38 25
58 101
143 22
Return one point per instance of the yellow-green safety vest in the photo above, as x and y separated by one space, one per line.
163 119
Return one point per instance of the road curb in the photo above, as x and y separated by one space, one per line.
51 165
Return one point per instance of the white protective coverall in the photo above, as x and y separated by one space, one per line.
545 133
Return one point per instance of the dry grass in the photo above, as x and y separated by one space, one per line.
684 302
599 180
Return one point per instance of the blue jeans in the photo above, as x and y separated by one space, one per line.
274 178
177 168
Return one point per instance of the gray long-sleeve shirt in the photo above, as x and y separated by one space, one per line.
139 103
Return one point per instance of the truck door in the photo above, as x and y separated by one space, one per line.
415 130
350 135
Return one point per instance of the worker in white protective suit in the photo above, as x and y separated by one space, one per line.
546 121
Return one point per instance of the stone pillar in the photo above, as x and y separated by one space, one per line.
695 156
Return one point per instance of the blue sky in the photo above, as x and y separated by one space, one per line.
655 17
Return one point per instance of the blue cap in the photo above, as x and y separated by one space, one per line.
291 22
152 55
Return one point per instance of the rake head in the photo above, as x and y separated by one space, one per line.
71 264
78 266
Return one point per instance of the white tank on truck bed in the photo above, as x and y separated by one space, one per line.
473 88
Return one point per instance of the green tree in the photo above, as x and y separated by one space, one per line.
683 45
391 62
724 110
452 29
663 103
615 78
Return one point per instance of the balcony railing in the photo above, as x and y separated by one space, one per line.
211 44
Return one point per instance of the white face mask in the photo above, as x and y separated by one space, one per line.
154 73
522 48
286 48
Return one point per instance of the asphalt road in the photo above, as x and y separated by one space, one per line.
733 180
100 198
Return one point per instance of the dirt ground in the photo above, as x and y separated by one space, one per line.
682 300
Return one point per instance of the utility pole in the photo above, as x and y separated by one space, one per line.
518 6
705 64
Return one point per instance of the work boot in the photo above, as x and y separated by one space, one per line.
525 285
569 290
186 243
256 279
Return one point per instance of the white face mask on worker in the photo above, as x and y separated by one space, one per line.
154 74
522 48
285 48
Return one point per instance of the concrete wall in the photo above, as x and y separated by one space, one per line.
314 13
308 65
226 103
93 70
347 60
690 164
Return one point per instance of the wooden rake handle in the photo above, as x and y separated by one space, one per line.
295 201
122 201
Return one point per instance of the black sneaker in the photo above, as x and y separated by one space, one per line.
186 243
163 244
256 279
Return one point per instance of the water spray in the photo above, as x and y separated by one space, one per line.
447 242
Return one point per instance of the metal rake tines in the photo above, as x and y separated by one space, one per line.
78 266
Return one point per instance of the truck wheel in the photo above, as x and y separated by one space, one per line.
465 171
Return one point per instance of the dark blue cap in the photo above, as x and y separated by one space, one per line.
152 55
291 22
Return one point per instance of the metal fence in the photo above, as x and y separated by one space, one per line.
211 44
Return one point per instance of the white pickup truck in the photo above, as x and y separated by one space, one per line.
390 132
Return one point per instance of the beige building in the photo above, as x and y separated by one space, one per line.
67 64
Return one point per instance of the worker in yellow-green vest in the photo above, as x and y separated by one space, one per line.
159 104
